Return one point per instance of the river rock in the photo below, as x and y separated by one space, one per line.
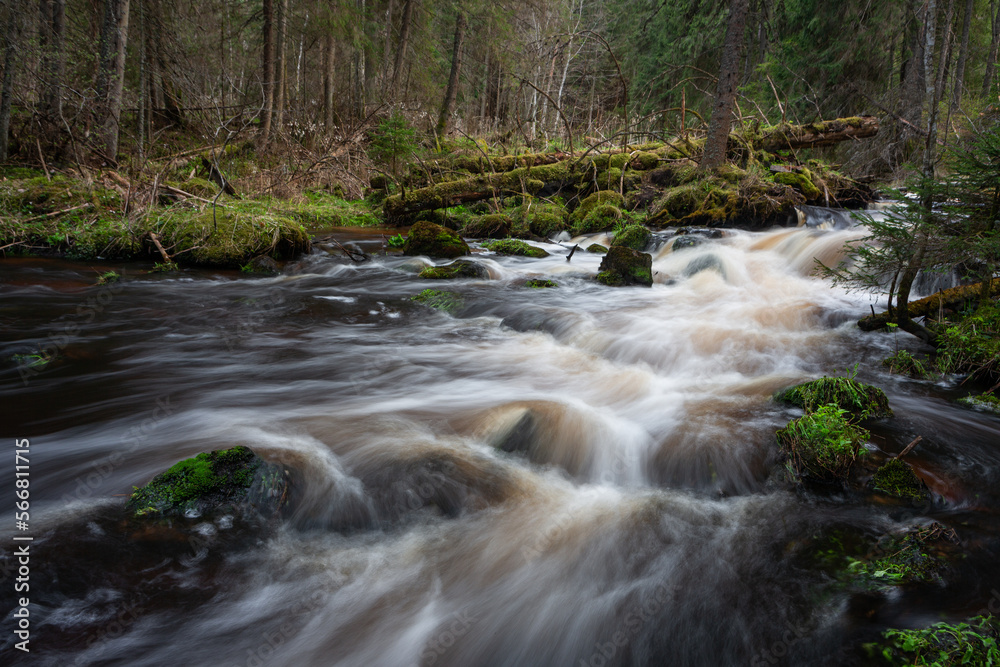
221 481
626 266
426 238
460 268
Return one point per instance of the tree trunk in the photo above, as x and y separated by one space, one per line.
912 95
963 54
14 11
387 47
823 133
404 36
280 80
111 74
725 96
946 45
444 120
991 61
52 33
267 70
328 62
360 75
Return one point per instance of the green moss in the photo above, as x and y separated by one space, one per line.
231 237
973 344
632 236
709 201
537 283
216 477
596 200
610 180
492 226
515 247
800 181
822 443
449 302
601 218
861 400
426 238
896 478
36 196
986 402
597 249
461 268
916 557
626 266
199 187
542 218
975 642
645 161
108 277
904 363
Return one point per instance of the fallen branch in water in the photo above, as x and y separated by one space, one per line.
949 298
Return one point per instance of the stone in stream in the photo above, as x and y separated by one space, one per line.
626 266
896 478
426 238
460 268
861 400
632 236
223 481
515 247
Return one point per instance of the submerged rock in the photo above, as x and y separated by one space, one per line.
426 238
515 247
896 478
626 266
460 268
636 237
209 483
597 249
861 400
449 302
538 283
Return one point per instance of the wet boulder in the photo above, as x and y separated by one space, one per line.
427 238
636 237
515 247
861 400
491 226
460 268
226 481
896 478
626 266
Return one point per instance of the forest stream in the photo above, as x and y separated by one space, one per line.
578 475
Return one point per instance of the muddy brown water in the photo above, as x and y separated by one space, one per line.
569 476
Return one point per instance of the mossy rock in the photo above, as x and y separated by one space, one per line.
896 478
218 481
861 400
632 236
449 302
800 181
199 187
542 219
493 226
626 266
610 180
645 161
601 218
515 247
597 249
426 238
261 264
822 444
618 161
231 238
461 268
685 242
539 283
710 201
600 198
36 196
985 402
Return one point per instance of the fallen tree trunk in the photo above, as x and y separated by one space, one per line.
931 305
823 133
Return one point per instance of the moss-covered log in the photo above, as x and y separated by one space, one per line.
813 135
928 306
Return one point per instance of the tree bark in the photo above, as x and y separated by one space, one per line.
912 94
52 32
963 54
444 120
823 133
404 36
111 74
280 80
954 297
14 11
328 63
267 70
360 74
725 96
991 61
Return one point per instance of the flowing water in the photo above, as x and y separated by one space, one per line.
570 476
